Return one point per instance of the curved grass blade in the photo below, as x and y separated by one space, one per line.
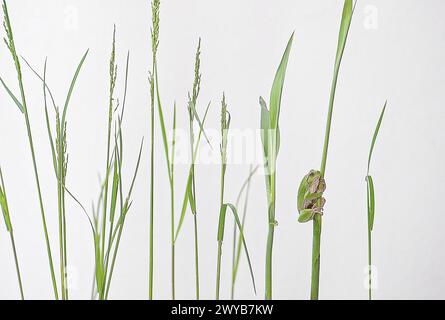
189 179
41 79
376 132
13 97
237 245
277 87
73 83
348 10
6 215
48 126
371 199
371 202
220 237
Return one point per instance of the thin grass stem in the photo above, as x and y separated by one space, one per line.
348 10
4 207
11 46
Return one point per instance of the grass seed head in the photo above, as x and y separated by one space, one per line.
155 4
197 80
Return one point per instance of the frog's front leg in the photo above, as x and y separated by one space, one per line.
306 215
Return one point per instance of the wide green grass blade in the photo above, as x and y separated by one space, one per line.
376 133
221 223
348 10
277 87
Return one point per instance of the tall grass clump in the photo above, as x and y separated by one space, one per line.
60 162
109 215
155 4
237 241
225 125
270 137
23 107
371 201
310 193
7 217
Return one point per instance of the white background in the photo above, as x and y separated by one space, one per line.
242 42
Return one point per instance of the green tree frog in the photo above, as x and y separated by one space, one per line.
310 201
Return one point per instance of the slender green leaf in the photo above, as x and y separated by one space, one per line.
41 79
114 187
376 132
48 125
237 245
4 203
240 228
189 179
371 202
16 101
73 83
200 123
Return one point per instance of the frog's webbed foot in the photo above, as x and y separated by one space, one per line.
306 215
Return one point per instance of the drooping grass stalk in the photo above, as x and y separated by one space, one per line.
155 4
371 201
348 10
60 162
22 105
191 107
7 217
270 137
225 125
237 241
